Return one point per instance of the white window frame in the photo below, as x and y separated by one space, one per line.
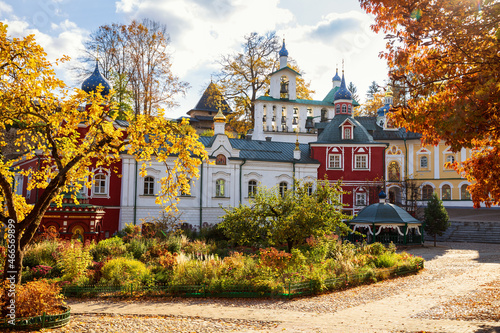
358 164
104 186
149 180
347 133
361 199
450 158
426 166
331 163
220 188
252 188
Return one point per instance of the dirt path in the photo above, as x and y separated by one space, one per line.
420 303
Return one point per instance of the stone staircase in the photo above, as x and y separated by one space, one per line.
470 232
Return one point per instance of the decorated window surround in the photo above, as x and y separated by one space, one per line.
103 176
423 153
335 151
361 199
361 151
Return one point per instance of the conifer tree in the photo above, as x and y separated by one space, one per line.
436 217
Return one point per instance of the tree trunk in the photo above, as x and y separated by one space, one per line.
435 240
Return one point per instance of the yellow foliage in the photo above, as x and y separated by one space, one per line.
69 134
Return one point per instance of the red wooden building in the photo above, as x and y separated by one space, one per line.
346 151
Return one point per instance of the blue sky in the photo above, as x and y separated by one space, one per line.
319 34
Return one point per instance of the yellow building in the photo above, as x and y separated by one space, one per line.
414 172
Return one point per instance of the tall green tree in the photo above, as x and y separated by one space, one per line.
435 217
354 91
274 217
372 89
445 54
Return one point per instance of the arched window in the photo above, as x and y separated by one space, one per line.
464 193
337 109
446 192
424 161
149 185
427 191
344 108
394 172
450 159
100 184
252 188
310 189
349 108
220 188
220 159
283 187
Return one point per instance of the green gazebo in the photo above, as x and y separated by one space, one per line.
384 222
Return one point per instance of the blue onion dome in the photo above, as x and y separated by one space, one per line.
382 195
388 102
383 110
283 51
343 92
336 77
93 81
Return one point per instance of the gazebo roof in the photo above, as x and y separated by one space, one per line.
384 213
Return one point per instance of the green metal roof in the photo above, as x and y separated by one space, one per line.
384 213
287 67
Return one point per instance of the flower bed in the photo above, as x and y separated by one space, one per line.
39 322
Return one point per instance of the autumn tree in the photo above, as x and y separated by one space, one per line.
371 106
275 217
446 55
244 76
435 217
136 59
41 118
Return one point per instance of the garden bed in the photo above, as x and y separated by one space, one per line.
38 322
288 290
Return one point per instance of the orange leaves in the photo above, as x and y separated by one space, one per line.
444 56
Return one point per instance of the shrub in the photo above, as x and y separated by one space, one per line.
122 271
386 260
198 247
174 244
137 248
43 253
36 297
111 247
74 261
377 249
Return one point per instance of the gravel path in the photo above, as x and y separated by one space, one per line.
458 291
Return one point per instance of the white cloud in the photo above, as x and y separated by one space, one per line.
67 39
5 8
